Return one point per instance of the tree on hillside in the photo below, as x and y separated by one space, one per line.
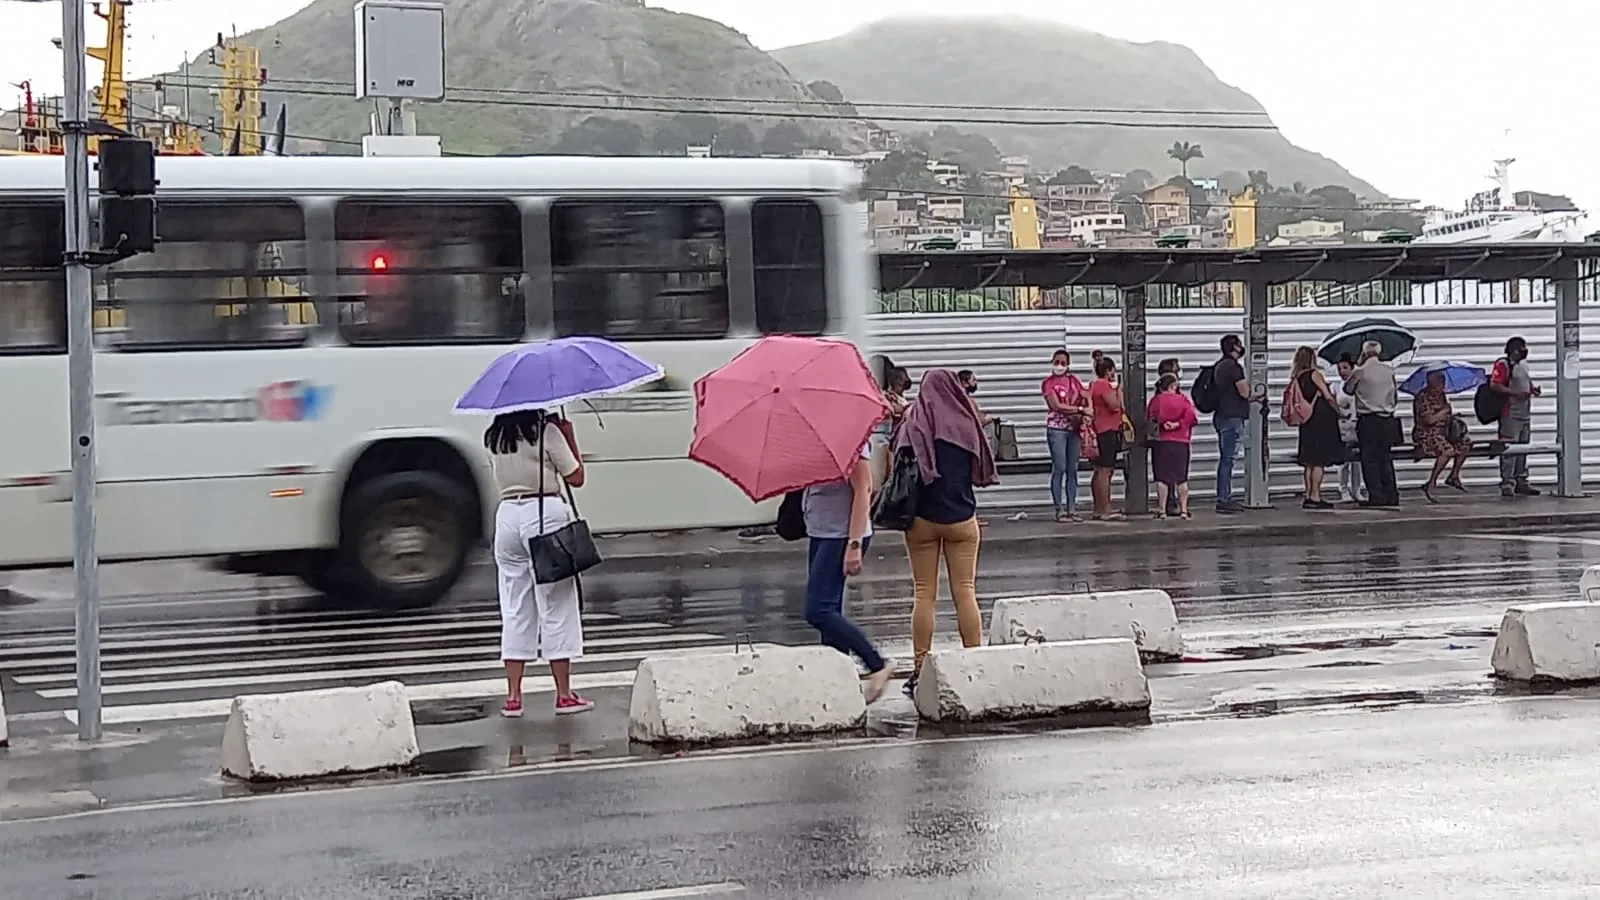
736 139
785 139
1132 209
1136 181
902 170
973 153
826 91
682 131
600 136
1184 152
1073 175
1259 179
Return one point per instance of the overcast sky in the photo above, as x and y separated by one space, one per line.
1413 95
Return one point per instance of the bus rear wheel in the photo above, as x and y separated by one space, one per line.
404 539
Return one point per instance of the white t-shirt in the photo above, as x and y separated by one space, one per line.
518 473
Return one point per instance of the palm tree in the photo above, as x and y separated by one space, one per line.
1183 151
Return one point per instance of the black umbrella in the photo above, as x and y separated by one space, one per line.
1347 339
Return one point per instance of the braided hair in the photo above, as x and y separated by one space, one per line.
508 430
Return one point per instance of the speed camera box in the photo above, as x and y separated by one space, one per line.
400 50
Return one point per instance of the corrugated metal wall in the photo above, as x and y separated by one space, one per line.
1010 352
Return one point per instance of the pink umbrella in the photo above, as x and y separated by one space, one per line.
787 413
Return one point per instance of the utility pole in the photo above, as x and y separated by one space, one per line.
75 129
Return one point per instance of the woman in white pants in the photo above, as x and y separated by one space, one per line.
534 455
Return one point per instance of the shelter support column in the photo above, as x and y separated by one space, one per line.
1256 452
1135 394
1569 384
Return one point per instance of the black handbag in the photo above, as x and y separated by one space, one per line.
895 507
1455 431
566 552
791 524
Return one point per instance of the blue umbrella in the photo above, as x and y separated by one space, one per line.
1459 377
552 374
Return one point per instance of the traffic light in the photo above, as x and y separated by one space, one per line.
127 197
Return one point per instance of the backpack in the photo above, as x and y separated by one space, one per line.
1204 390
895 507
791 525
1296 409
1489 404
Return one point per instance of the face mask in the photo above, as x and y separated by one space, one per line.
1058 369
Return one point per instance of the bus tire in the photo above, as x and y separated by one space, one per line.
404 539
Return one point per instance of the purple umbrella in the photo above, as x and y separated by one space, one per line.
551 374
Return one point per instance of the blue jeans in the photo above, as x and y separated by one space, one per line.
1230 434
825 602
1065 451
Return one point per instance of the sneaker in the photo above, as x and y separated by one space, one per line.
1528 490
572 704
512 709
1507 492
910 688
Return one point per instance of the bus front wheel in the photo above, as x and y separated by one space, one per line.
404 539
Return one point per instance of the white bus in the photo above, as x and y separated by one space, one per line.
274 384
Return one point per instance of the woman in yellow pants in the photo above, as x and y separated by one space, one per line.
943 431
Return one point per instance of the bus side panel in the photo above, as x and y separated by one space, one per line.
36 464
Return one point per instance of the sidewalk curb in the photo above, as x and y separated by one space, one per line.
683 553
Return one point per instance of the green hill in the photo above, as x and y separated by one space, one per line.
569 54
987 63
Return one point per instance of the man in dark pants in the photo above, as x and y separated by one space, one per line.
1373 386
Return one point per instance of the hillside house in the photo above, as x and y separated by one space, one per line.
1166 206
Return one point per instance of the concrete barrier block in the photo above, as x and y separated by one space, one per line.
1589 584
1549 642
1032 681
315 734
720 696
1147 617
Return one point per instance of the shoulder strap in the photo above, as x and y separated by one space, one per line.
541 474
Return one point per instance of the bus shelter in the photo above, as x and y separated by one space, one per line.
1133 272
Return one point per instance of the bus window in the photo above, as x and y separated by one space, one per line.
639 269
430 272
791 267
33 291
226 274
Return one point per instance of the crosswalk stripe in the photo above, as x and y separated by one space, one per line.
187 639
366 676
219 707
487 631
337 661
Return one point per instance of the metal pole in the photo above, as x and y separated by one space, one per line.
1135 394
80 366
1569 387
1256 467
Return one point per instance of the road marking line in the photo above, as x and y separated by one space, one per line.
1534 539
363 676
65 653
219 707
699 890
475 655
235 631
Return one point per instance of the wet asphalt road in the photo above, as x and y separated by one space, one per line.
1490 800
162 651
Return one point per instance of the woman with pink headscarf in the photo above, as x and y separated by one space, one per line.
943 431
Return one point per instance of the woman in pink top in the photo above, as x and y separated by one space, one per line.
1068 402
1105 403
1172 418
